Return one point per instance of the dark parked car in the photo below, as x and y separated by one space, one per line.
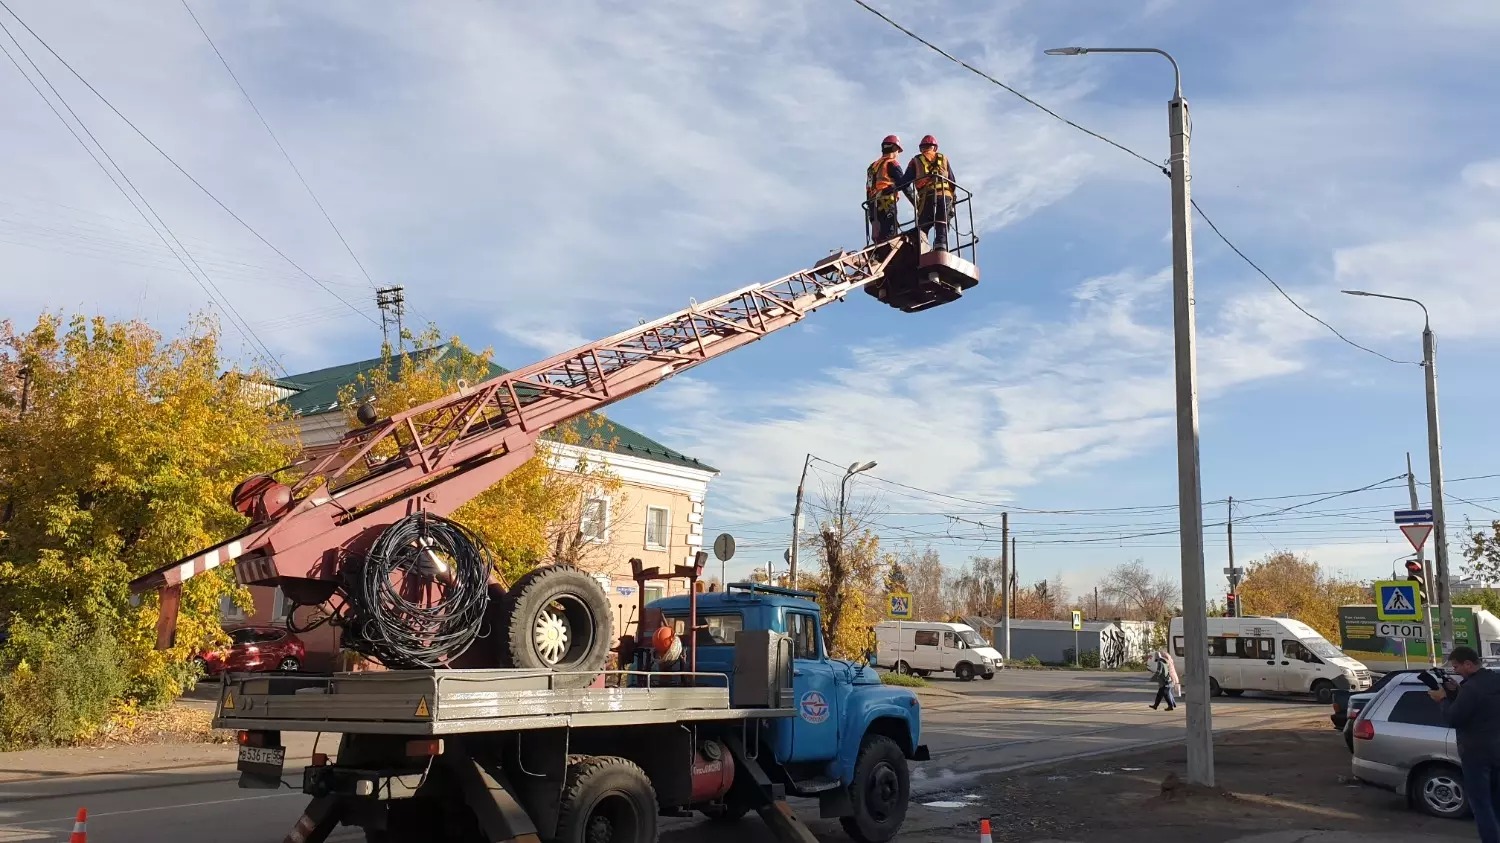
254 649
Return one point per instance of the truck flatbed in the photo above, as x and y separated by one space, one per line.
451 702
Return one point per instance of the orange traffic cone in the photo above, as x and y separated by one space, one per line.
984 831
80 827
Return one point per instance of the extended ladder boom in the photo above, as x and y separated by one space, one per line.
437 456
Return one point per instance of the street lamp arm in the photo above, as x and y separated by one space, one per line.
1426 319
1083 51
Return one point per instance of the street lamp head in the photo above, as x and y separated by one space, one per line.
1067 51
1354 292
866 467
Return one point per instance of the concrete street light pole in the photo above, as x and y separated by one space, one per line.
797 524
1435 465
1200 741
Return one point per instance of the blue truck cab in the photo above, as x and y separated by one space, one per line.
851 736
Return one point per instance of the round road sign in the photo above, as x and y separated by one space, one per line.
724 547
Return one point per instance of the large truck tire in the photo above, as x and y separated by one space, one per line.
558 618
881 787
606 800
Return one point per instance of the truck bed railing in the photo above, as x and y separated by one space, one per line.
437 702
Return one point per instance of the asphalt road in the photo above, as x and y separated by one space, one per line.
1020 718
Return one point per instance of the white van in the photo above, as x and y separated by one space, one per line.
927 647
1272 654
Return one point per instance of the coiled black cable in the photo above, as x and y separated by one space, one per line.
417 600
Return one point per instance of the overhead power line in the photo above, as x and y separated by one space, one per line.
179 167
277 141
1123 148
206 283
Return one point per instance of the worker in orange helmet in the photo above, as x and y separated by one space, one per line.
667 649
882 178
932 175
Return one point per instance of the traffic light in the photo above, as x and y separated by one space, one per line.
1231 606
1415 573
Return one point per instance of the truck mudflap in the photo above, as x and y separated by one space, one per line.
921 753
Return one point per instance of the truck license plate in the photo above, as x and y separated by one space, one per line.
263 755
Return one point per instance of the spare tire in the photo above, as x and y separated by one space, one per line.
557 618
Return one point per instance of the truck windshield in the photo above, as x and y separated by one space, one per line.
1321 648
721 628
972 638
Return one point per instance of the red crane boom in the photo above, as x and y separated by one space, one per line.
438 456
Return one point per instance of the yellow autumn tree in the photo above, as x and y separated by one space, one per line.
118 453
1291 586
534 514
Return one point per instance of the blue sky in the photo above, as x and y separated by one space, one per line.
538 177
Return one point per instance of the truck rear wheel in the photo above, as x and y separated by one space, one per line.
558 619
606 800
881 786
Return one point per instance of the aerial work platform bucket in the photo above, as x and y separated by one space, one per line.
921 277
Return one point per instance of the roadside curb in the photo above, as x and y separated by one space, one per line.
86 784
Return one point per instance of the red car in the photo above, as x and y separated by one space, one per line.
255 649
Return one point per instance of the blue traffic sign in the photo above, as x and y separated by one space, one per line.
1398 600
1413 516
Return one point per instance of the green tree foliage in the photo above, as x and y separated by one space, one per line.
122 461
1481 550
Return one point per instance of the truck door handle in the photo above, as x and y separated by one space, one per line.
1273 661
1286 663
796 673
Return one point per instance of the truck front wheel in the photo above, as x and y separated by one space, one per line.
606 800
881 786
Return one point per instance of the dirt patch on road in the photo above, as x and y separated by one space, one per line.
1292 776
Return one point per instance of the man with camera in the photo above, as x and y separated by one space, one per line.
1473 710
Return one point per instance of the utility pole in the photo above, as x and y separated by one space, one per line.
392 304
1200 733
1005 594
1435 458
1234 573
797 522
1411 488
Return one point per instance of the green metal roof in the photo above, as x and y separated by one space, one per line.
317 392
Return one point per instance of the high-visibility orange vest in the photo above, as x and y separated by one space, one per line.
934 178
877 180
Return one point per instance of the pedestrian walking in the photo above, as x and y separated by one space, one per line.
1164 682
1473 710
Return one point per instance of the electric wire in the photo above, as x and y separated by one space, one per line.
1127 150
284 154
419 554
147 138
206 283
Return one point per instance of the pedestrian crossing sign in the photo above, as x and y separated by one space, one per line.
1398 600
899 606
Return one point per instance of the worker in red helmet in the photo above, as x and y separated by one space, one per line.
882 178
932 175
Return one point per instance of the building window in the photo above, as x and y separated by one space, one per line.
228 611
593 521
658 526
654 592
